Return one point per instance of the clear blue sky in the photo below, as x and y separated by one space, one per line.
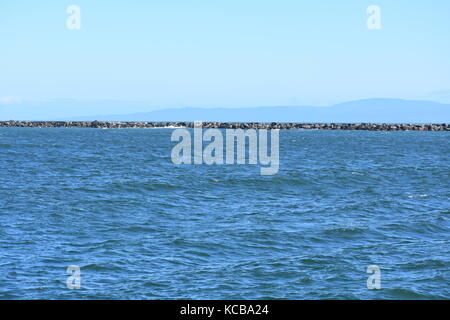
224 53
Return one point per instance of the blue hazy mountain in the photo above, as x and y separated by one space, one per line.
369 110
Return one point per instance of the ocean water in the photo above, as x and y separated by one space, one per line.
141 227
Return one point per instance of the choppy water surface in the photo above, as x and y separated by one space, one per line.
112 202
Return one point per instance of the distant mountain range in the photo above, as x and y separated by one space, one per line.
369 110
372 110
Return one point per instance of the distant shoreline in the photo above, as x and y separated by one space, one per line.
229 125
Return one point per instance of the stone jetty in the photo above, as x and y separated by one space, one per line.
230 125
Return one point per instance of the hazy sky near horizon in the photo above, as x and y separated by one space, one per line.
224 53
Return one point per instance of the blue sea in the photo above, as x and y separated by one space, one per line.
140 227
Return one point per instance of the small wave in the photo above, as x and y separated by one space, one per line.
418 196
345 229
100 267
400 293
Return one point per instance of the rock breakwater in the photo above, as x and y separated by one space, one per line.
230 125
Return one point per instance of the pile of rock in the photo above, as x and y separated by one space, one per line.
229 125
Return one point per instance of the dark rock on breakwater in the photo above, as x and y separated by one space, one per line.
230 125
